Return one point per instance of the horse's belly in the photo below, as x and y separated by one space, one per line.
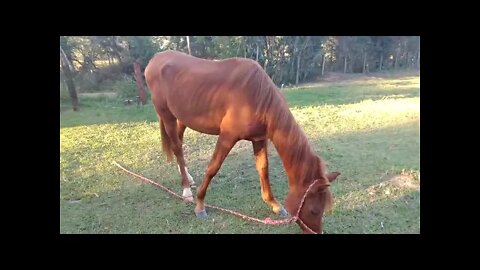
203 123
212 130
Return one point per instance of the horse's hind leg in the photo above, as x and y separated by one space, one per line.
172 131
223 147
181 130
261 159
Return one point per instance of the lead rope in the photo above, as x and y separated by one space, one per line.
267 221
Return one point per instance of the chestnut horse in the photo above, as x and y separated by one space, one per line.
236 100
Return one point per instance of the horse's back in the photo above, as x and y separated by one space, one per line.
172 74
170 63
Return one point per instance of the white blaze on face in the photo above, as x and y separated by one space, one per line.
190 178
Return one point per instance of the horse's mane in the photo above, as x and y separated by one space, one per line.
272 109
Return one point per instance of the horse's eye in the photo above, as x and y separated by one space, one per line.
314 211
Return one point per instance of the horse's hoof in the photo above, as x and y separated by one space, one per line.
188 199
201 214
283 213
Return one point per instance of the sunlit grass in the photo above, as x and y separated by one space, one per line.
369 131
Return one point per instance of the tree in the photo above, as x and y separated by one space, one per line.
96 60
111 47
67 67
188 45
141 49
139 82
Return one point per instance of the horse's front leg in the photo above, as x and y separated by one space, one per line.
261 159
225 143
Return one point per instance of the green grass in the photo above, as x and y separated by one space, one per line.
368 130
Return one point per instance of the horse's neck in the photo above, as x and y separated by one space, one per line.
294 150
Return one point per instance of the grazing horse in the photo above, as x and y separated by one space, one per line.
236 100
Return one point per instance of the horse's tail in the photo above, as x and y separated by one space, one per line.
166 142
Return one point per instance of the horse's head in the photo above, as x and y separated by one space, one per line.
317 201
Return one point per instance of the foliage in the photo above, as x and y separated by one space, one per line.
278 54
125 87
100 61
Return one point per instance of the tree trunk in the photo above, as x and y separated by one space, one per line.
93 61
294 54
418 59
418 55
381 61
407 61
119 57
282 72
395 63
364 62
116 51
245 50
298 68
238 50
345 65
323 64
139 81
267 54
307 39
307 71
256 59
188 45
68 74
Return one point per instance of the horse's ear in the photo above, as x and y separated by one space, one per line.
332 176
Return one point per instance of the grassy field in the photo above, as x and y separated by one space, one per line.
367 129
